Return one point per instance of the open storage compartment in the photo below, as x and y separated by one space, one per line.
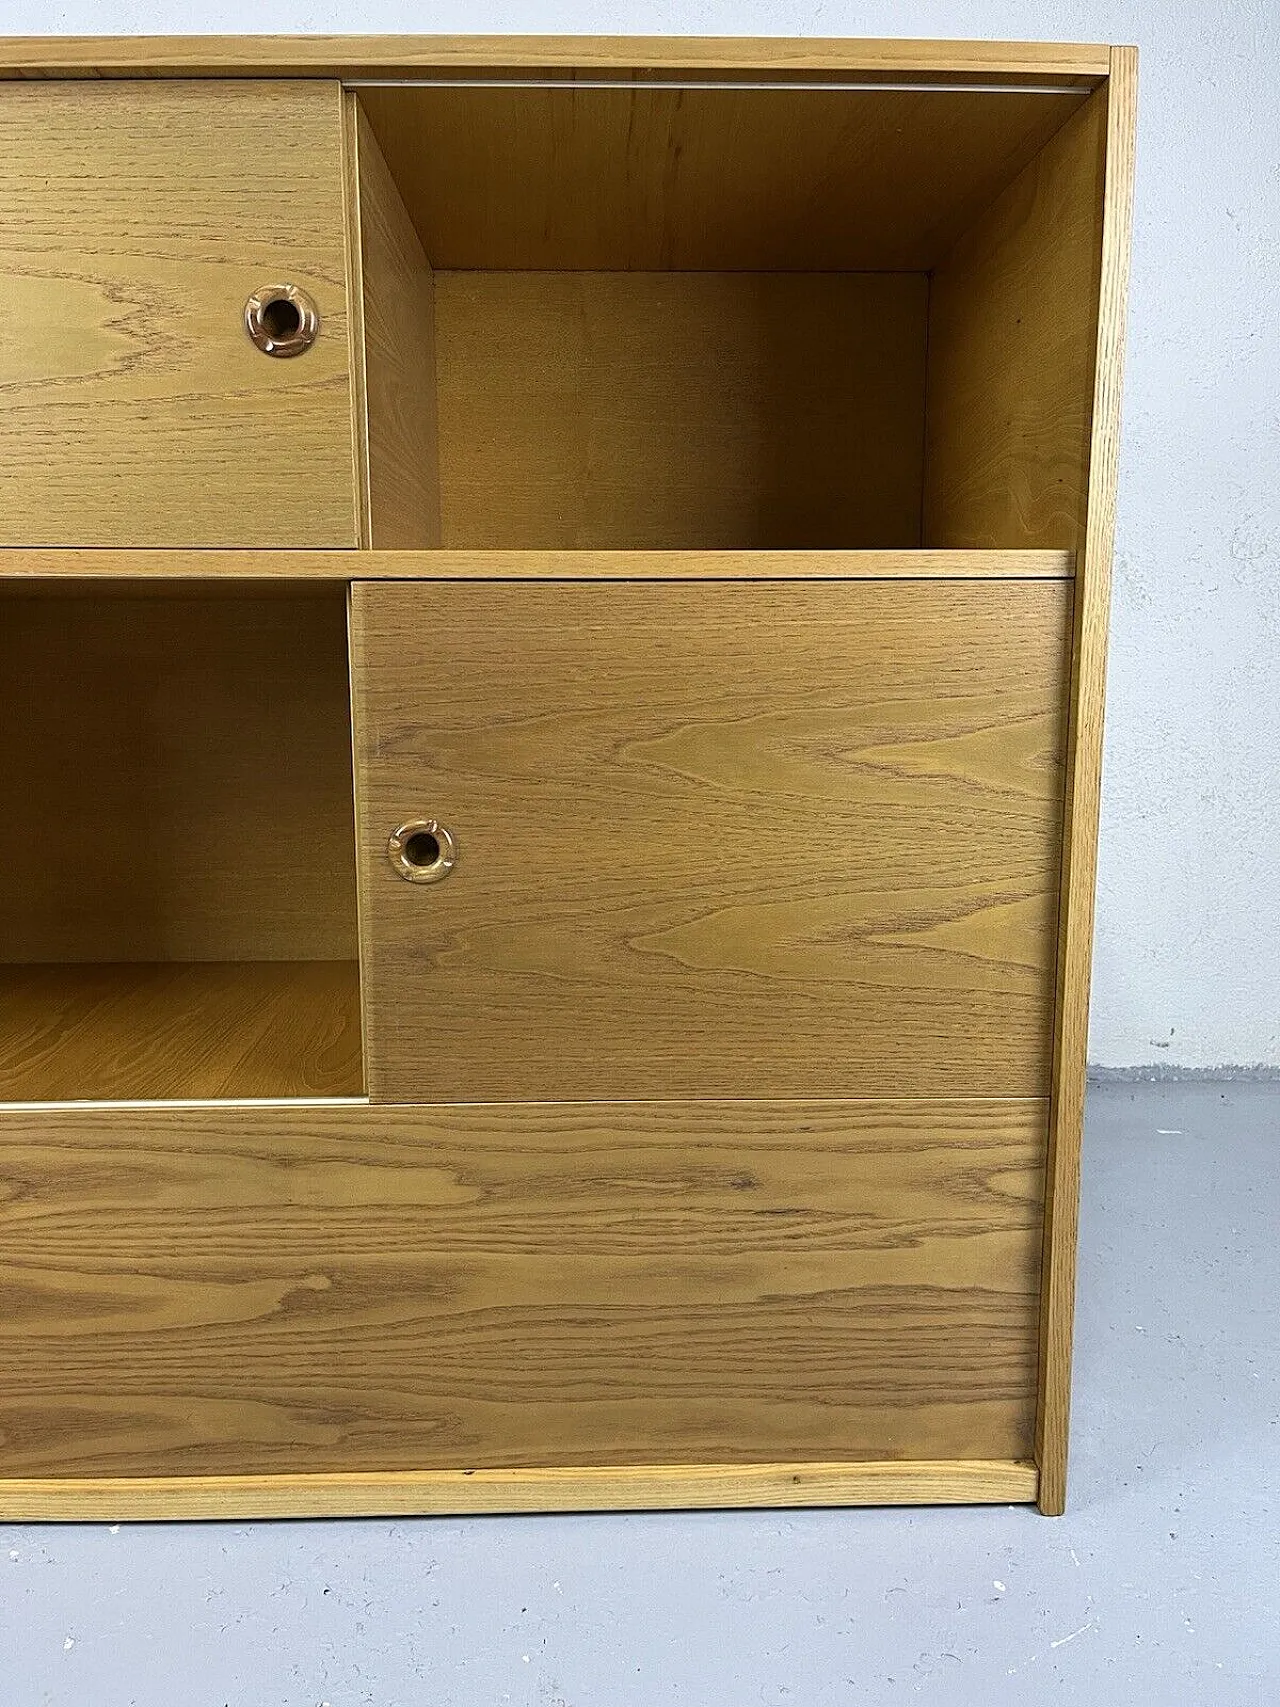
177 881
634 315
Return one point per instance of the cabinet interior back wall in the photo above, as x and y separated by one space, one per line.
177 898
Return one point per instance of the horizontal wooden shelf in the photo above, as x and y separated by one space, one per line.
20 565
189 1030
444 1492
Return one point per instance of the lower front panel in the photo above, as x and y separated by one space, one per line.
331 1291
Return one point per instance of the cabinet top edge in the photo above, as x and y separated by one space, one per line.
393 56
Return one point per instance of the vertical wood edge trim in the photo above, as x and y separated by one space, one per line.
364 935
458 1492
350 104
1083 783
922 512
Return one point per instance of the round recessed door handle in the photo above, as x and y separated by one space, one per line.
282 320
422 851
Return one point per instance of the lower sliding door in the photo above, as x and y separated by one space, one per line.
319 1292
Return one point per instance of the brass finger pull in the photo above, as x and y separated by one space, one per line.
422 851
282 320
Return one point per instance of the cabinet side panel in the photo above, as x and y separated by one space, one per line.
1012 345
138 218
1084 776
265 1291
398 305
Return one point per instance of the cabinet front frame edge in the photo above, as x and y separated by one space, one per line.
1082 801
354 251
646 1487
21 564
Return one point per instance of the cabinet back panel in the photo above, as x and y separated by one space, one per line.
745 840
197 1292
176 779
136 218
680 410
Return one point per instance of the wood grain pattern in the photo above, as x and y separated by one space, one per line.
399 358
407 55
19 565
713 180
1012 345
734 822
1084 775
176 774
672 410
137 219
788 839
648 1487
269 1291
181 1030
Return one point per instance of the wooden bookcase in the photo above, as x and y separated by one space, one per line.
547 845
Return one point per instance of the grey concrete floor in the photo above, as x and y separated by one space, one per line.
1162 1585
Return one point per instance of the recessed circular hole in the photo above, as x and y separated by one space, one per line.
281 319
422 848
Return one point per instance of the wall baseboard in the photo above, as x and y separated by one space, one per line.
1168 1073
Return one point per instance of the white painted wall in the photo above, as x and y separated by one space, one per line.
1188 955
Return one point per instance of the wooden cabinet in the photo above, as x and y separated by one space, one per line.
550 968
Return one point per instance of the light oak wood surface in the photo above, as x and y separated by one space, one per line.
397 414
1012 346
1084 776
778 839
667 410
132 570
640 1487
136 221
407 55
190 1029
713 180
176 778
315 1290
724 479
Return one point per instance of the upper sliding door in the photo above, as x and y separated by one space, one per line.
137 219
